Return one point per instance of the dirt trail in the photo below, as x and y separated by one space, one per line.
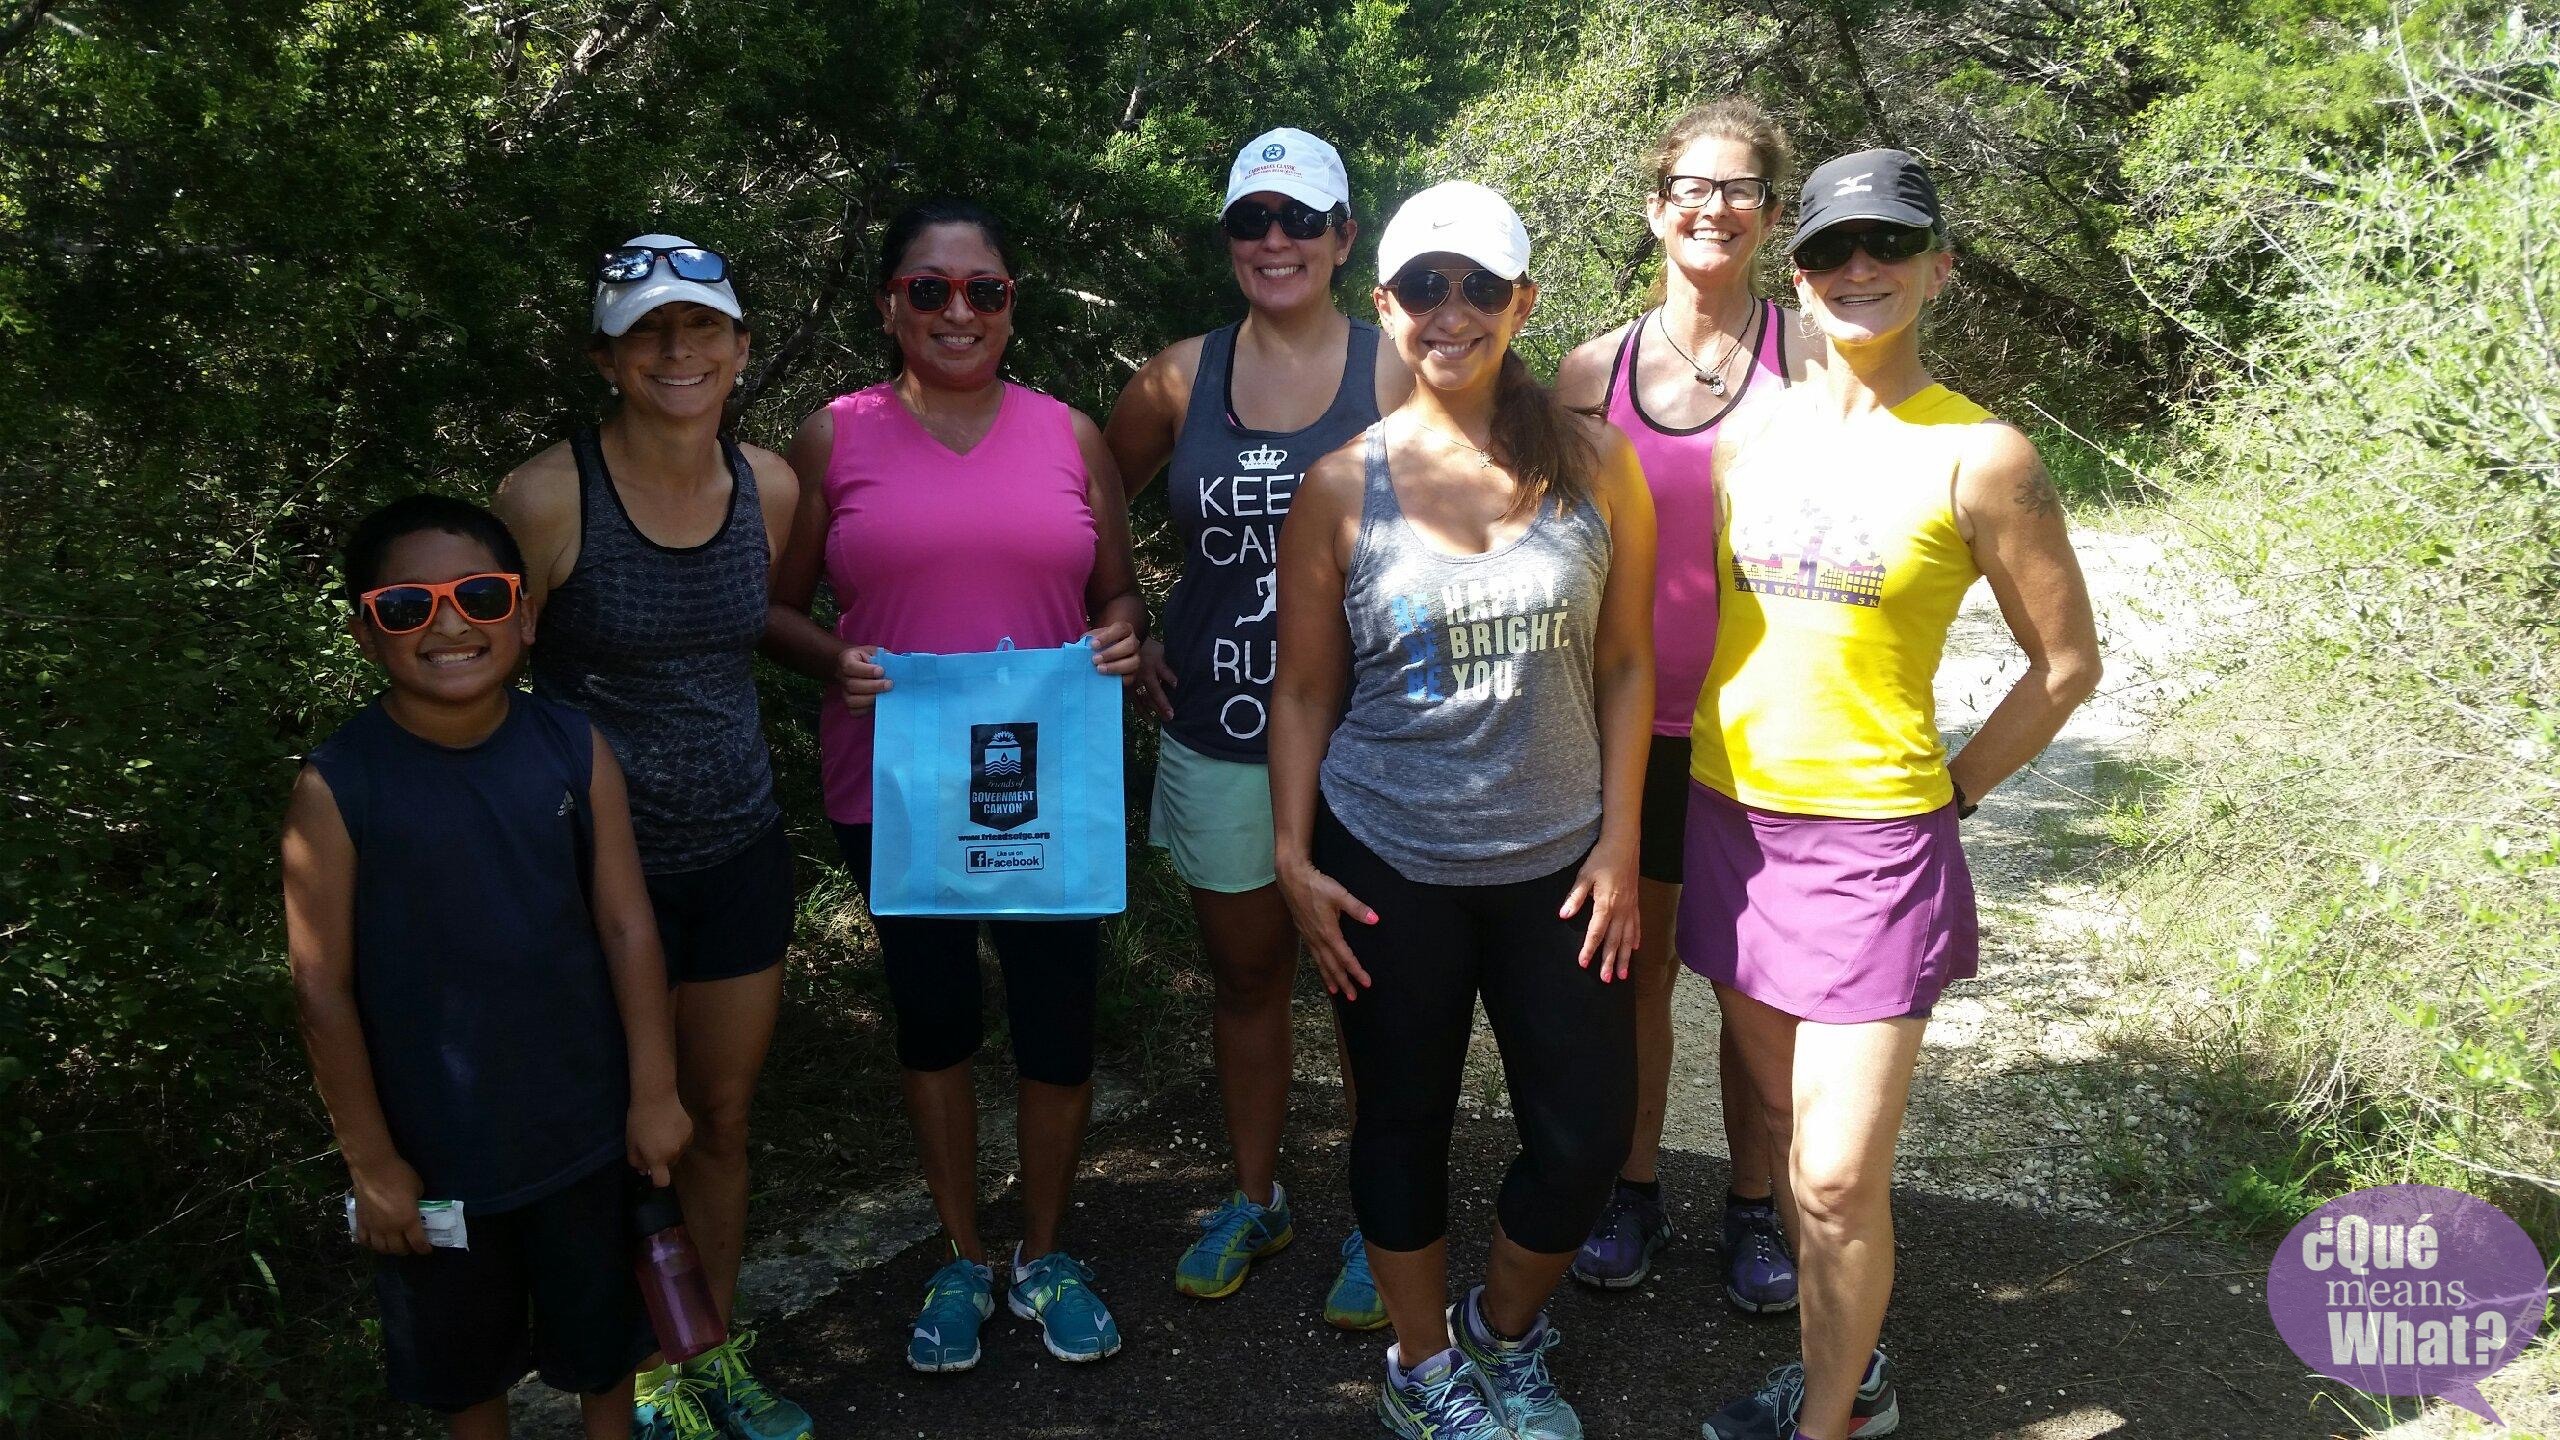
2030 1305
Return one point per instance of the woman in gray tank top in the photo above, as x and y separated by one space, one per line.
1457 755
648 541
1233 419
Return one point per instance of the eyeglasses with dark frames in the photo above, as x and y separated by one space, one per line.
1692 192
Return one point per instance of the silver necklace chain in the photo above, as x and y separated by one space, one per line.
1712 378
1483 456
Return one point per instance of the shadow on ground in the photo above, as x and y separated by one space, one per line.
2006 1323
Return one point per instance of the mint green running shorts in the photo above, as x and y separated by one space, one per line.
1214 818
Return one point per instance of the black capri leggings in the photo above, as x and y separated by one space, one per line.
1567 1041
1050 967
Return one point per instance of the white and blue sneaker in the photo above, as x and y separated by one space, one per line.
1516 1372
957 1303
1443 1398
1057 1291
1769 1413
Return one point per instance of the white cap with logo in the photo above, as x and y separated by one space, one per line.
619 307
1292 163
1456 217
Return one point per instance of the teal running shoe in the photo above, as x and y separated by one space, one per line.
1353 1303
1516 1372
957 1302
673 1409
1443 1398
738 1401
1057 1291
1233 1236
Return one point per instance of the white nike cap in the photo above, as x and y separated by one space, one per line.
1456 217
619 307
1292 163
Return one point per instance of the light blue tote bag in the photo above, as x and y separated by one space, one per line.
995 783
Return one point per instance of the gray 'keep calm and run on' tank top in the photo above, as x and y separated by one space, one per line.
1229 488
1470 751
658 645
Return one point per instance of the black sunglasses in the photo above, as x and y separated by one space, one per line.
625 263
1421 291
1246 220
1692 192
1884 244
986 294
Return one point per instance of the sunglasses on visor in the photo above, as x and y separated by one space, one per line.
407 609
1422 291
1246 220
624 264
986 294
1884 244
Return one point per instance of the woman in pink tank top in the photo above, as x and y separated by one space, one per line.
950 509
1669 379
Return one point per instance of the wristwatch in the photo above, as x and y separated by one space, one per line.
1964 807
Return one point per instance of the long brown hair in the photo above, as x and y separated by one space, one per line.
1547 445
1738 118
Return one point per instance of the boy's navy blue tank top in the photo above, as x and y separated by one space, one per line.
487 1010
1230 488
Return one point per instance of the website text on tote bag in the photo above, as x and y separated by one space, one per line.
996 788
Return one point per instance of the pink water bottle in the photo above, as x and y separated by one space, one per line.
672 1282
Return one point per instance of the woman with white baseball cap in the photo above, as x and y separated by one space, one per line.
1457 751
648 541
1827 894
1233 419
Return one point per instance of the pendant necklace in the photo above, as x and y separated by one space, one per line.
1710 376
1484 457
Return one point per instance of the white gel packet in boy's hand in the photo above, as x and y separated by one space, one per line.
443 1219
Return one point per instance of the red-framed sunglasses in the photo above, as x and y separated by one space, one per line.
407 609
986 294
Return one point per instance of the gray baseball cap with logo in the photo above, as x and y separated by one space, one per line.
1887 185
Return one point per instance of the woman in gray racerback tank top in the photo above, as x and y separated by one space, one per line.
648 540
1233 419
1457 751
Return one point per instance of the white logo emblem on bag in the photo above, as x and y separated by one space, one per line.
1004 775
1853 185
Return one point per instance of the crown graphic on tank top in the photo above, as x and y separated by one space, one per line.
1262 457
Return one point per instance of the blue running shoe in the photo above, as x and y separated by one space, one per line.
1516 1372
1759 1274
1235 1235
744 1408
670 1407
957 1301
1443 1398
1354 1303
1631 1230
1057 1291
1770 1412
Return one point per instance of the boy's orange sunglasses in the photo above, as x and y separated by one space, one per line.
407 609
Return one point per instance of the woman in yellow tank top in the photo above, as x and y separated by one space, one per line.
1827 895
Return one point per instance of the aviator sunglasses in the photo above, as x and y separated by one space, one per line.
1884 244
986 294
1246 220
1421 291
625 263
406 609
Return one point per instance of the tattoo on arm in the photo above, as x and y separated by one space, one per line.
2036 496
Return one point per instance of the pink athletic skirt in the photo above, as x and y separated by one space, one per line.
1834 920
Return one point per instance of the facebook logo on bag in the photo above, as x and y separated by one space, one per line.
1004 775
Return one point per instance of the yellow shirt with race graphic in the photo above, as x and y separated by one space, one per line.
1841 570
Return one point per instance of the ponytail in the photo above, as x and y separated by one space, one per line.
1547 445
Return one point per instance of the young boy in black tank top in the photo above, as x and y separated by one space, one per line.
480 986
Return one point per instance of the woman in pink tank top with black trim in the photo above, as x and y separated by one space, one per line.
949 510
1669 379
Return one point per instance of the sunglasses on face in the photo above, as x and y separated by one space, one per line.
408 609
986 294
1692 192
1246 220
1421 291
626 263
1884 244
